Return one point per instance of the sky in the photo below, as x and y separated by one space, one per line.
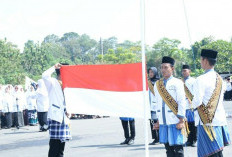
23 20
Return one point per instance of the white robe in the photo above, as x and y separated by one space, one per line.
7 103
42 97
203 89
152 101
189 83
56 97
31 100
175 87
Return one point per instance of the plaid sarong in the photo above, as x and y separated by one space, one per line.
59 131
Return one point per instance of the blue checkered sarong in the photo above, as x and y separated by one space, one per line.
170 134
206 147
59 131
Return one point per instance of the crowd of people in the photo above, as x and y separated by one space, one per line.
186 107
20 108
180 108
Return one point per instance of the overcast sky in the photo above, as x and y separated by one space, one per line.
22 20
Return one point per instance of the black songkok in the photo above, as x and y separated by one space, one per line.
168 60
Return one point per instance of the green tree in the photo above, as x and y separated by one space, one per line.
167 47
36 59
11 71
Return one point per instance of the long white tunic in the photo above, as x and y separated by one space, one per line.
19 101
152 101
42 97
31 100
175 88
7 103
189 82
203 89
55 95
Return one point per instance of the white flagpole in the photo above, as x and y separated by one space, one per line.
189 34
142 18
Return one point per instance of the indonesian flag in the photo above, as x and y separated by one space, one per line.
106 90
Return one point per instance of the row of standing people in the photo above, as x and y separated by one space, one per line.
198 102
170 97
19 108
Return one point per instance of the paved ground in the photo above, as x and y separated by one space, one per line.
92 138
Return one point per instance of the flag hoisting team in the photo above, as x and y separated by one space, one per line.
183 111
191 108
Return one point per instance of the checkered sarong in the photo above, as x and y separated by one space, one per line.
59 131
206 147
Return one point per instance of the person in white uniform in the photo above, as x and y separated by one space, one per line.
7 107
58 116
42 104
208 92
32 107
188 85
170 100
153 77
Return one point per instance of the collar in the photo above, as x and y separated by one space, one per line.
209 70
186 78
168 78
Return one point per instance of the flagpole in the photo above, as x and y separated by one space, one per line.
142 18
189 34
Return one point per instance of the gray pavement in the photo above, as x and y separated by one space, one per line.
92 138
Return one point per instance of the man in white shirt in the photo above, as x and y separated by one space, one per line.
58 120
208 90
188 85
170 100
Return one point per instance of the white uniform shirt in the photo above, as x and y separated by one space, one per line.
42 97
203 89
189 82
31 100
175 88
228 86
55 95
7 103
19 101
152 101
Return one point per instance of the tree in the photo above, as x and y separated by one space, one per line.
36 59
11 71
166 47
51 39
224 59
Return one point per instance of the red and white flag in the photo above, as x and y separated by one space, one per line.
106 90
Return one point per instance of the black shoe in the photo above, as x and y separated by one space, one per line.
17 127
188 143
125 142
44 130
131 141
154 142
